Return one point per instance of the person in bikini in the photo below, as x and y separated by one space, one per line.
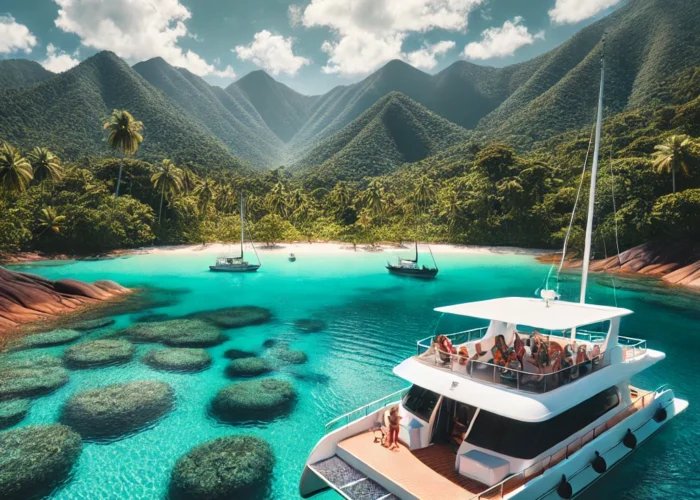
394 419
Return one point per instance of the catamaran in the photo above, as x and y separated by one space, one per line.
536 404
237 264
410 267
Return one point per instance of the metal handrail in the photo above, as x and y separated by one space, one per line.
358 411
574 445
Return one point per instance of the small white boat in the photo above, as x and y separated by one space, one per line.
236 264
535 405
292 257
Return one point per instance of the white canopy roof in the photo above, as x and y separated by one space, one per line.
559 315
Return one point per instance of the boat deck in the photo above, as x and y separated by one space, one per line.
428 474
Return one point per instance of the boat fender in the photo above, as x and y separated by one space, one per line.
598 464
630 440
660 415
564 490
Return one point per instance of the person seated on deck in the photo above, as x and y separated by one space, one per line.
500 351
463 355
393 419
445 348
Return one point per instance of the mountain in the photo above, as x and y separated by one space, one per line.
283 109
241 130
66 113
395 130
17 73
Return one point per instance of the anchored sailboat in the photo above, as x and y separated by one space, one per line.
237 264
410 267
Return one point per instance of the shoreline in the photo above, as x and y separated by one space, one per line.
320 247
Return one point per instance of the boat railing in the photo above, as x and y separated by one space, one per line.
539 381
511 483
365 410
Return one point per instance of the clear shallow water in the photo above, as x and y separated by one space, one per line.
373 322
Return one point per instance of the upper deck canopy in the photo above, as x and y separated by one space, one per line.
558 315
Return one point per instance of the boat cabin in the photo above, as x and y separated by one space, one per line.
231 261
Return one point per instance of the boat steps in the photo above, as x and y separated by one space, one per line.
348 481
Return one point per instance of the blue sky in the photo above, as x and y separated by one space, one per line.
311 45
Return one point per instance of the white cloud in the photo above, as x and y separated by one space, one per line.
135 30
58 61
426 57
501 42
573 11
369 33
272 52
15 37
295 14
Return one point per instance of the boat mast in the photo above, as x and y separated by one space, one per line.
594 174
242 224
416 261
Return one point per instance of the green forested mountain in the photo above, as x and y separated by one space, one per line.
65 113
283 109
243 132
17 73
393 131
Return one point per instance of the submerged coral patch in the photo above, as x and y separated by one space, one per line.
248 367
36 459
178 359
13 412
176 332
151 318
48 339
308 325
262 399
229 467
238 354
92 324
289 356
99 353
235 317
270 343
31 381
119 409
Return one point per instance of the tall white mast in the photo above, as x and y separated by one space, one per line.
242 224
594 174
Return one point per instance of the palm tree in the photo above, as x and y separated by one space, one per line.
226 199
15 170
205 192
341 196
189 180
50 220
374 198
124 135
168 179
276 200
45 164
424 193
673 154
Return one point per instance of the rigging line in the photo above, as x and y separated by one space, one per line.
578 195
612 187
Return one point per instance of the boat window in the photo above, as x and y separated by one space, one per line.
420 402
526 440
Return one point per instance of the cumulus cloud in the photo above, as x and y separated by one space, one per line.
57 61
295 14
503 41
135 30
426 57
573 11
15 37
369 33
272 52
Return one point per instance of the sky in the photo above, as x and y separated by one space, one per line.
310 45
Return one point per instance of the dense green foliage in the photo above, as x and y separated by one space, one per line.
16 73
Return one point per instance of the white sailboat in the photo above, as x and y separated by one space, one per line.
236 264
536 404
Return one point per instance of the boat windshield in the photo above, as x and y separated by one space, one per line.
421 402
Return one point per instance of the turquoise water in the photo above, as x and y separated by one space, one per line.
373 320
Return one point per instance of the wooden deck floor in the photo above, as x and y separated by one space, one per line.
428 474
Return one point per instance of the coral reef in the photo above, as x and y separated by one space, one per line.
48 339
238 354
289 356
13 412
178 359
92 324
99 353
235 317
262 399
176 332
30 381
308 325
248 367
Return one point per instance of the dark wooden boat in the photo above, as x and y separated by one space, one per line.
410 267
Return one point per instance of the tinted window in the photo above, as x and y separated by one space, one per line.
526 440
420 402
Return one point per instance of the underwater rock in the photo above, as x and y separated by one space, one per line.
99 353
235 317
270 343
118 409
49 339
248 367
290 356
40 457
262 399
176 332
309 325
238 354
92 324
13 412
151 318
229 467
178 359
30 381
26 359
